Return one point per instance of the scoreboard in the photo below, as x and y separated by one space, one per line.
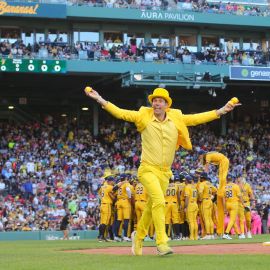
32 65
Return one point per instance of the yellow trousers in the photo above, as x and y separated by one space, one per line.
200 206
214 214
222 175
139 207
248 216
155 180
123 209
151 230
105 213
220 215
192 212
171 213
207 209
182 217
248 220
223 171
241 215
233 211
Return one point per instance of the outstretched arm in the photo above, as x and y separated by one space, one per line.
96 96
127 115
201 118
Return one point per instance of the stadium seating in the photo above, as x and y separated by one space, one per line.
47 177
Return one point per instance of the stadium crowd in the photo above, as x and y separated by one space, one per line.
213 7
150 52
46 169
237 7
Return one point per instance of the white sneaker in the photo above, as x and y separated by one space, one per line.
226 236
126 239
207 237
117 239
249 235
242 236
213 237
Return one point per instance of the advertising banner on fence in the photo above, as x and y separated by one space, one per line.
249 73
33 10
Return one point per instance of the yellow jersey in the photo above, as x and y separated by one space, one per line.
191 192
104 193
171 195
181 190
206 190
199 186
246 192
140 193
122 191
232 193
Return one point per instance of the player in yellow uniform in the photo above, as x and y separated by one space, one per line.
222 162
132 221
199 202
171 208
179 180
191 206
106 196
206 192
248 196
240 214
184 226
232 198
140 200
214 212
163 130
123 207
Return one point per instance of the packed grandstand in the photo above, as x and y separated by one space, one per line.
135 49
46 169
159 52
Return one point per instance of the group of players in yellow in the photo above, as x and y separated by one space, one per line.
191 201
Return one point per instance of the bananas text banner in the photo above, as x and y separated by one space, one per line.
32 10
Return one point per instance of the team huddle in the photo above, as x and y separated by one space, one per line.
194 207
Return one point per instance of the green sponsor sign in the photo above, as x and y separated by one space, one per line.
32 65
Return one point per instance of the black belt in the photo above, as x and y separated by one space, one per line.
172 202
140 201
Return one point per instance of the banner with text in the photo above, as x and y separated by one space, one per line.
32 65
248 73
174 15
34 10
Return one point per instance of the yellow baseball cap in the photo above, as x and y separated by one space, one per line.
162 93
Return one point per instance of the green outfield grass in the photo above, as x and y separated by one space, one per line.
39 255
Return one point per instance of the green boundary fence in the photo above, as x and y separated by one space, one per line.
47 235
